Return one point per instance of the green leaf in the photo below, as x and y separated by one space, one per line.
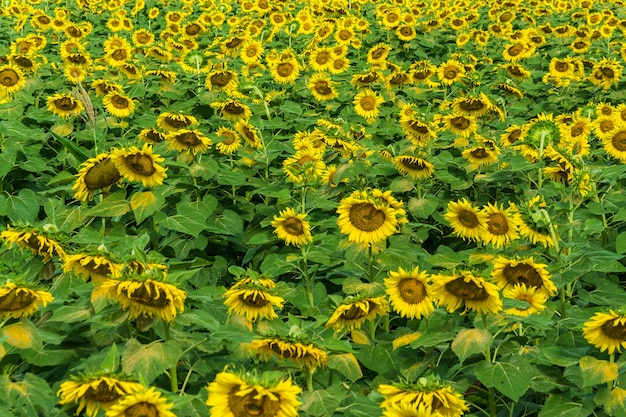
70 314
112 360
49 357
149 360
145 203
511 379
190 218
400 185
22 207
471 341
422 207
595 371
113 205
620 243
74 149
7 160
560 405
377 358
227 223
346 364
323 402
615 402
361 406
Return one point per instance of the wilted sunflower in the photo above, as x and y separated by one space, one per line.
144 297
104 87
418 131
467 221
606 331
510 272
139 165
292 228
409 293
370 216
535 300
118 104
502 225
151 135
301 353
233 110
20 301
367 104
64 105
252 298
171 122
467 289
321 87
192 141
96 267
533 225
413 167
94 392
11 79
142 404
33 239
460 125
97 173
352 313
428 393
248 395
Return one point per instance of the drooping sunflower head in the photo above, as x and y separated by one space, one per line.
95 266
292 227
249 394
18 301
233 110
410 293
143 296
510 272
144 403
413 166
253 298
171 122
468 290
97 173
64 105
288 348
357 310
139 165
96 391
606 331
34 239
190 140
221 80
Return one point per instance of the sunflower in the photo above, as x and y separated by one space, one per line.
419 132
534 226
508 272
252 298
320 59
474 292
118 104
428 394
606 73
472 106
139 165
97 173
292 228
151 136
285 71
306 166
301 353
535 300
614 142
171 122
233 110
144 297
410 293
378 53
370 216
11 79
407 410
352 313
517 71
460 125
422 72
466 220
97 267
20 301
232 141
221 80
142 38
64 105
190 140
141 403
249 133
367 103
247 395
251 51
321 87
103 87
513 52
502 225
413 167
33 239
339 65
450 72
481 155
606 331
95 392
366 79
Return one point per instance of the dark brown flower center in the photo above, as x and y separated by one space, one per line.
293 226
284 69
16 299
233 108
561 66
101 175
44 20
472 104
222 78
9 77
450 73
78 59
354 312
140 164
103 393
468 219
322 58
614 330
192 29
143 38
412 291
480 153
469 291
522 273
101 269
120 102
460 122
368 103
366 217
413 164
149 295
497 224
515 49
119 55
256 299
154 136
619 141
142 409
252 404
322 87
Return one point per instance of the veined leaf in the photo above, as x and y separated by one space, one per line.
595 371
511 379
323 402
149 360
346 364
114 205
74 149
471 341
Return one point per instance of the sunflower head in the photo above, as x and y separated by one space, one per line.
253 298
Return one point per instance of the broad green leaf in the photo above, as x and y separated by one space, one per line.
422 207
149 360
28 396
560 356
145 203
560 405
79 153
22 335
471 341
361 406
615 403
112 361
377 358
227 223
347 364
70 314
322 402
595 371
113 205
400 185
7 160
512 380
190 218
49 357
620 243
22 207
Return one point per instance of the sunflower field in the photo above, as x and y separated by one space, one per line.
359 208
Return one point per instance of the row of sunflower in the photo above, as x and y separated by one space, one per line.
322 208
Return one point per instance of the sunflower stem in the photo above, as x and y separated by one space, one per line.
371 263
492 403
373 330
309 379
173 376
307 278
